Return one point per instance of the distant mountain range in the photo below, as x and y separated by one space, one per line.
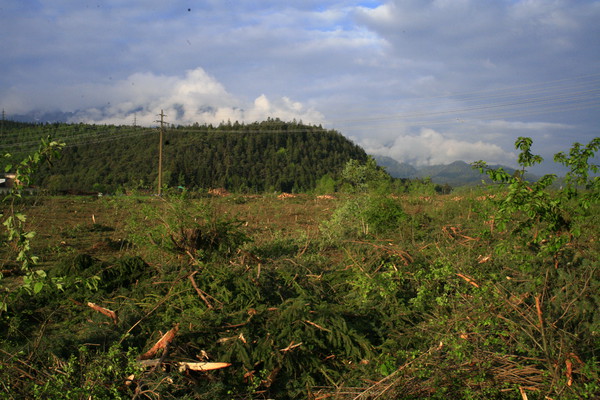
458 173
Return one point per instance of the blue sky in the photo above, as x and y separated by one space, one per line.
425 82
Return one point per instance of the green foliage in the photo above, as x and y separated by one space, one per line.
193 229
382 215
360 177
531 209
84 274
272 155
365 215
545 300
325 185
18 237
89 375
578 162
422 187
373 213
528 206
582 183
412 296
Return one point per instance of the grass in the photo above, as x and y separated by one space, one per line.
438 305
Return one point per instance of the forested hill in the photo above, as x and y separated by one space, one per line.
264 156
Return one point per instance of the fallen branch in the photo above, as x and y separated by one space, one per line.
455 233
227 339
378 389
523 393
468 280
406 258
200 292
156 306
105 311
317 326
26 374
161 344
291 346
201 366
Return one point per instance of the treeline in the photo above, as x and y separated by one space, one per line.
272 155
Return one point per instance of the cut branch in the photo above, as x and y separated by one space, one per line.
200 292
468 280
105 311
161 344
201 366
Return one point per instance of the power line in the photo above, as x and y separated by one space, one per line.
540 95
75 140
519 89
538 106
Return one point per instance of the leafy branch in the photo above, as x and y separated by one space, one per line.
18 236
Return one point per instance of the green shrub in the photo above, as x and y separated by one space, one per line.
365 215
91 375
191 228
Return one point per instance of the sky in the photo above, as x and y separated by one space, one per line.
422 81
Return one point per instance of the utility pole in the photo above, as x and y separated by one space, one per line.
160 150
2 123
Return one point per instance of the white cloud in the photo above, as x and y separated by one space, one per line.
430 148
196 97
383 14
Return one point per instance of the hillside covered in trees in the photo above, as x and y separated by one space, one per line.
264 156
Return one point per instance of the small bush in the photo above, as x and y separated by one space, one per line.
364 216
188 228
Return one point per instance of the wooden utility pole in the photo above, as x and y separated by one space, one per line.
160 151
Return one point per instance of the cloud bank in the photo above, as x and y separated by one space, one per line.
443 78
195 97
429 147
